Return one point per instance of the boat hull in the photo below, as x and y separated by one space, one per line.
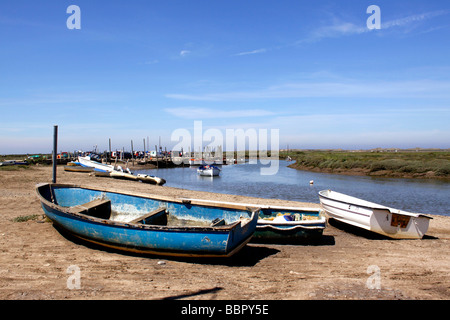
383 220
87 162
72 168
188 241
309 227
151 179
208 172
122 175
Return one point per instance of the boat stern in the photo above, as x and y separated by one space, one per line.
399 225
243 232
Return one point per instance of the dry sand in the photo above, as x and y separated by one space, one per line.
36 258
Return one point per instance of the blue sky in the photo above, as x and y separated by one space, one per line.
139 69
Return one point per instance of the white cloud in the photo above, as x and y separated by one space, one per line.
327 89
411 19
184 53
340 28
262 50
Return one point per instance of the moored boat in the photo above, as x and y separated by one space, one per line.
122 175
208 171
13 162
87 162
125 176
148 224
393 223
150 179
75 168
196 162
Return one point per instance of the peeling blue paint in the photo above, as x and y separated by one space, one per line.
197 240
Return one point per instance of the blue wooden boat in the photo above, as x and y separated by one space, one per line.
148 224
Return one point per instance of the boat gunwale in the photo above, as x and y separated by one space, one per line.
140 226
260 227
262 206
264 222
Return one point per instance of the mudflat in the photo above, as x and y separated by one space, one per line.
39 262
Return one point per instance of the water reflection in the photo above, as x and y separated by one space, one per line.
426 196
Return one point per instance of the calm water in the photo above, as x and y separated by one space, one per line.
425 196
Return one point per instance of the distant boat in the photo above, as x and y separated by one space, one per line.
87 162
122 175
196 162
75 168
118 173
128 176
377 218
148 224
100 174
280 224
13 162
150 179
208 170
74 164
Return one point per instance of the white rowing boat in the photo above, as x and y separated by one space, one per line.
393 223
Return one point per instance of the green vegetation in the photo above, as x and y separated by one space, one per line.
432 164
26 218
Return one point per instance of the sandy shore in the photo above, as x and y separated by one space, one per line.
36 258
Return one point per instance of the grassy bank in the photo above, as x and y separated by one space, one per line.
424 164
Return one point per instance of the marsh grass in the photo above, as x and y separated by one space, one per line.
400 162
27 218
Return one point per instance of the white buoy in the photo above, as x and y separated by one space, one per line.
311 182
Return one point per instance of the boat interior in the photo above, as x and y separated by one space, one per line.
294 215
101 208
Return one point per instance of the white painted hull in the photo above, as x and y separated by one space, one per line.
210 172
122 175
196 162
393 223
87 162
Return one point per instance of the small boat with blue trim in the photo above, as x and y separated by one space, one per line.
148 224
282 224
289 225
